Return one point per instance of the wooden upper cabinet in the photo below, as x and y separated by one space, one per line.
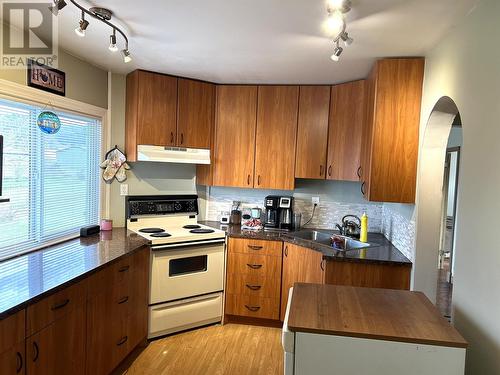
151 111
196 102
312 132
347 119
234 149
389 168
300 265
276 137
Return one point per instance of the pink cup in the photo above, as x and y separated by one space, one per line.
106 224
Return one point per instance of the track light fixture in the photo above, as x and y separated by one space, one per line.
58 5
337 52
83 24
101 14
112 42
336 25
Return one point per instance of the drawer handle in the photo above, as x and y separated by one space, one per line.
363 191
286 251
248 180
60 305
171 137
124 268
19 362
253 308
35 351
322 265
359 172
254 266
182 138
123 300
330 171
258 179
253 287
321 170
255 247
122 341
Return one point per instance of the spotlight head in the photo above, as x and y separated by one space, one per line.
80 30
346 38
112 42
58 5
336 53
334 24
126 55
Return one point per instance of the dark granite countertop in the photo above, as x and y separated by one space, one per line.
29 277
385 252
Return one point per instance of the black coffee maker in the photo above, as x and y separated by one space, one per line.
279 212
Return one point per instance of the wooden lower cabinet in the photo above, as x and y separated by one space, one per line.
253 278
117 312
60 347
12 344
370 275
300 265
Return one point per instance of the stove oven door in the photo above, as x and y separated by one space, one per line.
186 271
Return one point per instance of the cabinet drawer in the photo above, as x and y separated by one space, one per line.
257 307
49 309
254 285
116 274
247 264
251 246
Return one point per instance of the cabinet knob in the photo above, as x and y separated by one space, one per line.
19 362
36 351
253 308
330 171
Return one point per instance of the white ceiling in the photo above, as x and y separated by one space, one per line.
260 41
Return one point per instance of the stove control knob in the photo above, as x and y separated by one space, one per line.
177 206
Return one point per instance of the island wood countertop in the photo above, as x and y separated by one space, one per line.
379 314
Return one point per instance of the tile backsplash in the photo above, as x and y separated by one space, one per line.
394 221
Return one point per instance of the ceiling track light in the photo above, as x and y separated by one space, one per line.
101 14
58 5
336 17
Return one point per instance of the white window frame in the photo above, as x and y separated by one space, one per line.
15 91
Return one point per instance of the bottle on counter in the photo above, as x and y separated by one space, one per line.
364 228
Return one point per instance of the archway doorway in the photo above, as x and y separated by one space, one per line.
430 196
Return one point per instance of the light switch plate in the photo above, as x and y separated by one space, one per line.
315 200
124 189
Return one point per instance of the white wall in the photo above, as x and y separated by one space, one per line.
465 65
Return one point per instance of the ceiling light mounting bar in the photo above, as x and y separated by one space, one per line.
103 17
339 8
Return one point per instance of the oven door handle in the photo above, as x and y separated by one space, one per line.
187 244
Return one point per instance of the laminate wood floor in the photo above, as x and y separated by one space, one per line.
229 349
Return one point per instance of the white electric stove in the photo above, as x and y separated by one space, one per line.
187 262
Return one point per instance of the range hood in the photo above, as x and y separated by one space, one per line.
173 154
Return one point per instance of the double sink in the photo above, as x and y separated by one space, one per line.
342 243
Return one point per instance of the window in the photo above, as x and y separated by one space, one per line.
52 180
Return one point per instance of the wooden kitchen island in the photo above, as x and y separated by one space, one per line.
331 329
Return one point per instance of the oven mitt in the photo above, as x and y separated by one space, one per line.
115 160
121 175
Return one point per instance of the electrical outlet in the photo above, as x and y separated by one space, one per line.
124 189
315 200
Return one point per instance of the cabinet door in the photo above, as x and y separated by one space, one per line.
395 121
347 118
234 151
196 103
276 137
312 132
60 347
12 361
300 265
151 111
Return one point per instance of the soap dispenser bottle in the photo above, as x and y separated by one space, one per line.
364 228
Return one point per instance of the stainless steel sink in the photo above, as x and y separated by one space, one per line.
343 243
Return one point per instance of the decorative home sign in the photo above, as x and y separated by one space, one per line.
46 78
